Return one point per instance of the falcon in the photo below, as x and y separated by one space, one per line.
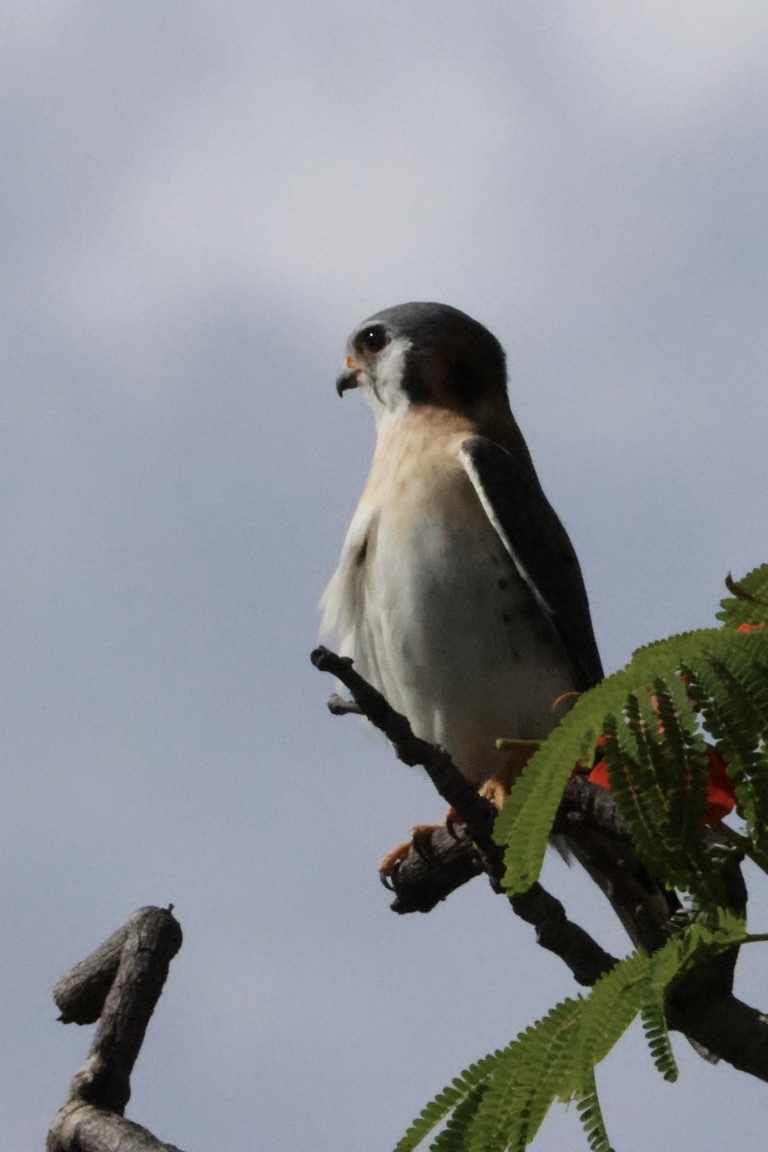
458 593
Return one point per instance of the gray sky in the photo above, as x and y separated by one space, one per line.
199 201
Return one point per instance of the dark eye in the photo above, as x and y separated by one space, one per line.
372 339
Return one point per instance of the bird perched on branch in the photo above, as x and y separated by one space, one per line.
458 593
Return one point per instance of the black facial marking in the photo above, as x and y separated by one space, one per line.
414 384
451 360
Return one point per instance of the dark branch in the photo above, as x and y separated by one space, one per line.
555 932
119 984
723 1025
437 864
700 1003
419 884
477 813
338 706
596 835
80 994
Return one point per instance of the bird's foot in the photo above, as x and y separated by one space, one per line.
419 841
496 791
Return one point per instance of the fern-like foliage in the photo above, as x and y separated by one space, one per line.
749 604
591 1117
454 1136
660 719
471 1084
500 1102
657 1035
662 714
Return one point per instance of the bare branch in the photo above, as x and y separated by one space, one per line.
338 706
119 983
476 812
81 1127
80 994
700 1003
419 883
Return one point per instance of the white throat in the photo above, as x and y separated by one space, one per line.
385 391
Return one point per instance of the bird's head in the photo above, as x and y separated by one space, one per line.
426 354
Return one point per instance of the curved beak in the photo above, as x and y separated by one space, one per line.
348 379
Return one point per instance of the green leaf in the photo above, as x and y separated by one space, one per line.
499 1103
660 714
525 821
657 756
446 1102
657 1035
750 606
591 1117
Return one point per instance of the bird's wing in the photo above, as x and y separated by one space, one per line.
532 534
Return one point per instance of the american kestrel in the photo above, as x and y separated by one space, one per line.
458 593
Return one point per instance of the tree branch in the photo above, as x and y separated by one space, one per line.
419 883
700 1003
119 984
474 810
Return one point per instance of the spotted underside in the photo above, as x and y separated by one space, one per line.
435 609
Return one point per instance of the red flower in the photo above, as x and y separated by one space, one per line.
721 795
599 775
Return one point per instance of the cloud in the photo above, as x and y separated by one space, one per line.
204 199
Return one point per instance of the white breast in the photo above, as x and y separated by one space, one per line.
428 603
